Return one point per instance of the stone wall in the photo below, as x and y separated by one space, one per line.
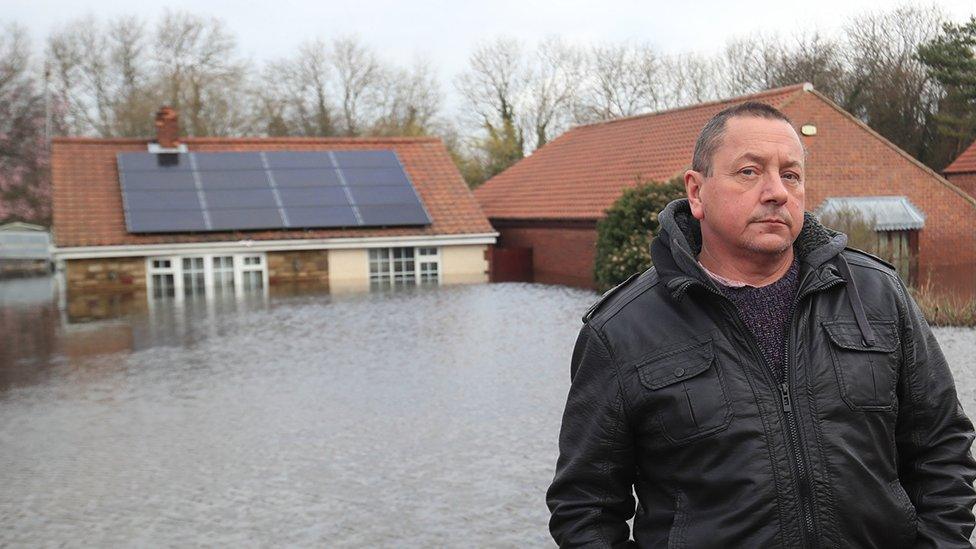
299 267
122 274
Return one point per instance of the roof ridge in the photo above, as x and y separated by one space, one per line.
805 86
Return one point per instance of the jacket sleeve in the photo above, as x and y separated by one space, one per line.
933 437
591 497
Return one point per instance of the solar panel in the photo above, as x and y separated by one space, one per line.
313 216
313 196
390 214
191 192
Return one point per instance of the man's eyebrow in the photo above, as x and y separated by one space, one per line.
749 156
753 157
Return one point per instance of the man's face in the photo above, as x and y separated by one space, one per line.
752 201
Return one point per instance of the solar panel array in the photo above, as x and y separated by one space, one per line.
189 192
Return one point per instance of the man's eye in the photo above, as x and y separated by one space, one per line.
791 176
748 171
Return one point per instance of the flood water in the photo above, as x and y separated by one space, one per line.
410 419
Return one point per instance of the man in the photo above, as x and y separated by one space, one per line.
761 385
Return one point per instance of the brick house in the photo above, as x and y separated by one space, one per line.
105 241
549 202
962 171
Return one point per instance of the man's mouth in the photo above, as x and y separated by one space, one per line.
773 220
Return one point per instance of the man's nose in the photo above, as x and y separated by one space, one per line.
774 189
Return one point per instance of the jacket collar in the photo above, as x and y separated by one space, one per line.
675 250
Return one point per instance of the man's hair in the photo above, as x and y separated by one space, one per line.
711 135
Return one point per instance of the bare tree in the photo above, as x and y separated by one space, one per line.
311 73
493 87
691 78
410 101
358 78
136 93
554 82
100 73
763 61
197 66
887 86
271 99
494 83
625 79
748 64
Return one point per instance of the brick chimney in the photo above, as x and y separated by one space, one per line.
167 128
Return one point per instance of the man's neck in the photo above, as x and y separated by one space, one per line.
757 270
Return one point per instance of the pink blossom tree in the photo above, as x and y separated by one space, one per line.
25 188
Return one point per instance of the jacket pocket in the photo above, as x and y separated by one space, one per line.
687 389
909 516
867 376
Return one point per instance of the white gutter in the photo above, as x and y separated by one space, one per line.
142 250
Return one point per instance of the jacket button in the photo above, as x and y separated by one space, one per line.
678 372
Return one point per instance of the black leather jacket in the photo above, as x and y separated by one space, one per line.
864 445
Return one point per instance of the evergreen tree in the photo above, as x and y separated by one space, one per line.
951 60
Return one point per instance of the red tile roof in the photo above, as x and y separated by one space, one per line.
88 201
579 174
966 163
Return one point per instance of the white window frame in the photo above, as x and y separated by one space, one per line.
430 256
172 269
176 269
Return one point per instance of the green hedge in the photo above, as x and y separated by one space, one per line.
624 235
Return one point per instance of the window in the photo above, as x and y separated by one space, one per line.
400 267
428 265
252 273
194 278
162 278
223 273
205 275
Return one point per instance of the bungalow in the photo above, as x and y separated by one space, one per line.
547 205
962 171
209 215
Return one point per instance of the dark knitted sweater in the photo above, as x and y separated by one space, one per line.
766 311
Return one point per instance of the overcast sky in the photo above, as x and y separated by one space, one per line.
445 31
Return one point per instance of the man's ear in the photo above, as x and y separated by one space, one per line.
693 188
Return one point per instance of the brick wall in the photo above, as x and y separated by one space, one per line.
847 160
304 266
562 252
965 181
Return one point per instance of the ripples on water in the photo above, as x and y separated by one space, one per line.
419 418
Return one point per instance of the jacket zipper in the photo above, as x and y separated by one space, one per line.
805 491
787 416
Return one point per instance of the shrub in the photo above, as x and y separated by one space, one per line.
942 309
624 235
